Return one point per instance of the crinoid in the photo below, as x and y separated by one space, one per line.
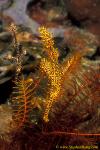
56 72
22 97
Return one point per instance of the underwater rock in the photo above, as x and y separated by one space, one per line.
5 122
50 17
78 39
86 10
5 37
85 14
5 40
18 14
81 39
93 28
4 4
5 66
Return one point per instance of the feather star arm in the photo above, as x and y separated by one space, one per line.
55 72
51 68
48 44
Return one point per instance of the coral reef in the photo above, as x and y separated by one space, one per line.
49 76
70 106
